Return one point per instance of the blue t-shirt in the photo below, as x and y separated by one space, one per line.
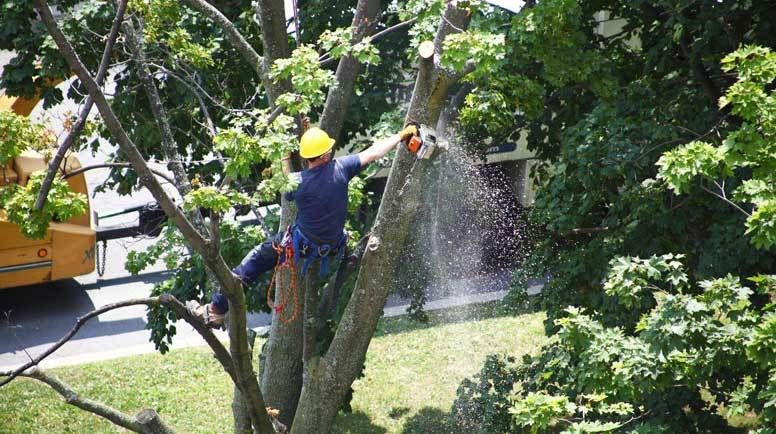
322 198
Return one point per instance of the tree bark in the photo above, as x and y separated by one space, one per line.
327 379
272 15
281 369
242 420
151 423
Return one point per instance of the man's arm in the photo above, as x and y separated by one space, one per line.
381 147
378 149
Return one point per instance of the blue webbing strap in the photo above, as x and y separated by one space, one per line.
315 251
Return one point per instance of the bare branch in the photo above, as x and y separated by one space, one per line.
78 126
591 230
86 404
393 28
117 131
724 198
198 93
104 165
169 146
326 59
69 335
146 421
221 354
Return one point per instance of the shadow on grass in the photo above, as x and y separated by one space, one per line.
427 420
453 315
356 422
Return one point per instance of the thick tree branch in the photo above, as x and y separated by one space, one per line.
215 230
339 95
451 111
169 146
281 356
71 397
274 40
310 284
117 131
220 352
146 421
78 126
330 293
232 34
152 423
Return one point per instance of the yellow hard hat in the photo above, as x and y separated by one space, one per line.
315 142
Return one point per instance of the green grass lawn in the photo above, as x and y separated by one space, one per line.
412 372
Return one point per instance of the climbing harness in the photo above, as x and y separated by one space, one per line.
293 248
311 251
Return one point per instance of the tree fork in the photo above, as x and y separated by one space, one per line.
322 392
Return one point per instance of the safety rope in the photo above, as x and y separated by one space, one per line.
285 261
100 260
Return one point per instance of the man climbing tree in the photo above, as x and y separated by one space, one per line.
318 234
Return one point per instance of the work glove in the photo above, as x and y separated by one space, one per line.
409 131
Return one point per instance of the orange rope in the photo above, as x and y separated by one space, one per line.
285 296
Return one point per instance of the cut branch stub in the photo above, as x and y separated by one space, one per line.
151 422
426 49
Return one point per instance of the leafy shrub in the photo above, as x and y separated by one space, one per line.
482 405
698 353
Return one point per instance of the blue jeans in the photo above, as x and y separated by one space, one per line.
257 262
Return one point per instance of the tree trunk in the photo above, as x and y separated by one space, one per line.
328 378
240 412
281 367
281 358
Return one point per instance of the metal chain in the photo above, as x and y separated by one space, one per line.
100 262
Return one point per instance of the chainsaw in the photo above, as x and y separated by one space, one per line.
424 144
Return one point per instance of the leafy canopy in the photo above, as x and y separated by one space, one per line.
750 149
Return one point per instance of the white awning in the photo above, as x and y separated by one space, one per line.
510 5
